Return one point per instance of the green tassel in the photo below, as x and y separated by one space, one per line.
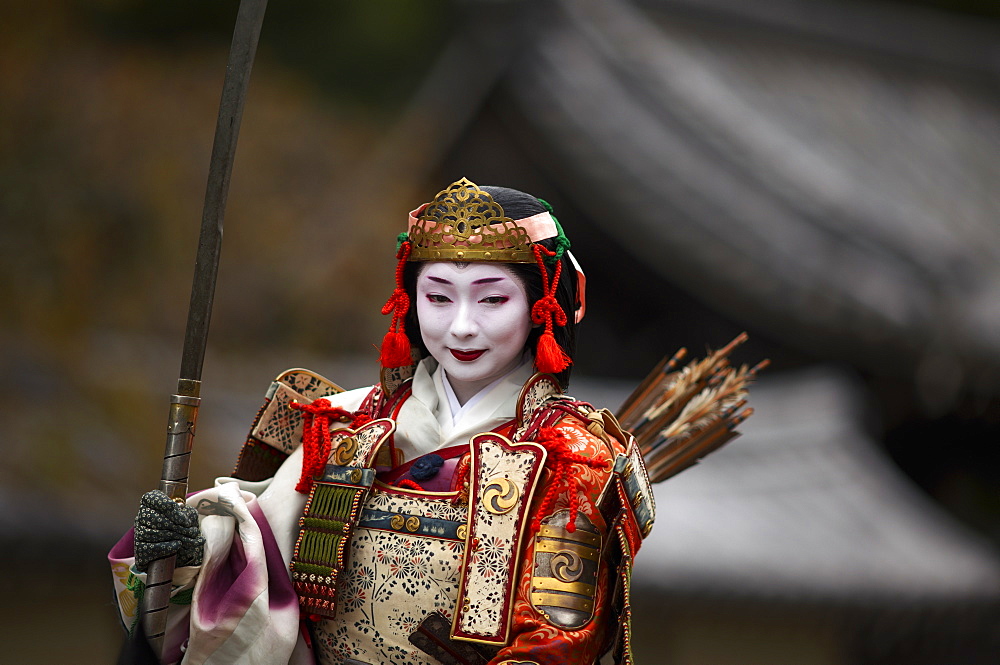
562 243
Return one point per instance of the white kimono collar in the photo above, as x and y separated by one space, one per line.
425 419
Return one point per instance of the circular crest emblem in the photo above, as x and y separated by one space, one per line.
500 495
345 451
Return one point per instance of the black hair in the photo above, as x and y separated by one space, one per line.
516 205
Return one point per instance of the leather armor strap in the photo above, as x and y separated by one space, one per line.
432 637
621 600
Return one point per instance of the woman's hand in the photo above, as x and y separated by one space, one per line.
164 527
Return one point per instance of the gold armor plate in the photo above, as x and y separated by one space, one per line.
564 581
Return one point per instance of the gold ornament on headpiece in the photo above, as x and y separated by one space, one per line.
464 223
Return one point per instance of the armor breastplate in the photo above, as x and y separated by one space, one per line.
404 562
396 566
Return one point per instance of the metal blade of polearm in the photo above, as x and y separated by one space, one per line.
184 405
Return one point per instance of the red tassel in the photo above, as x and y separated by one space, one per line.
395 350
316 437
564 479
396 345
549 356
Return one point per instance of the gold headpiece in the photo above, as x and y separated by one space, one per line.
464 223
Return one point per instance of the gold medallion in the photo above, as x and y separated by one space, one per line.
566 565
500 495
345 451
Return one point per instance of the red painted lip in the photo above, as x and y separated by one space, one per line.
467 356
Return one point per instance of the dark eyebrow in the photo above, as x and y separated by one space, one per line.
484 280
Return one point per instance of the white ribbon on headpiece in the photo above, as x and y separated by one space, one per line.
581 288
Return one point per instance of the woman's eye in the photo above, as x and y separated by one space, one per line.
495 300
437 297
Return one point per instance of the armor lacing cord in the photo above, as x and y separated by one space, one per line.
461 480
560 461
550 358
396 345
316 436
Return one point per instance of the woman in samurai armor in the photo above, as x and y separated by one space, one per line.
462 510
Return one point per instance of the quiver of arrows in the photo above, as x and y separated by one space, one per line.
679 415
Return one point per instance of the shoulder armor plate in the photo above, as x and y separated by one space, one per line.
564 580
627 500
277 430
279 426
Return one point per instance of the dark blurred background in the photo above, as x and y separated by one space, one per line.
820 173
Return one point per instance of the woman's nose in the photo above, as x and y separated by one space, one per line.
464 324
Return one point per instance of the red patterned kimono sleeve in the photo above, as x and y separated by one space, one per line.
541 634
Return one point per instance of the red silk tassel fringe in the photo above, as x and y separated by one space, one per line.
559 462
396 350
316 440
550 358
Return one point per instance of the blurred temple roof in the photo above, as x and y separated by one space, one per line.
806 507
824 171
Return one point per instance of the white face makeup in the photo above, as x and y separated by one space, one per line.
474 320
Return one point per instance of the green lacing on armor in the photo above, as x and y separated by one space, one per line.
324 534
325 527
312 569
332 501
319 546
321 523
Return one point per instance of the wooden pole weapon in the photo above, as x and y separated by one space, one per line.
184 405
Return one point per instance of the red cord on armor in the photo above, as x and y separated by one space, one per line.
406 483
560 461
396 345
359 419
316 436
304 629
460 481
550 358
